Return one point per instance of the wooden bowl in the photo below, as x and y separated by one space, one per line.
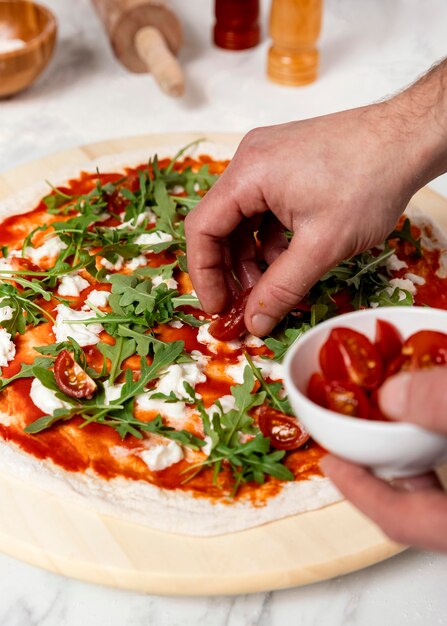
34 26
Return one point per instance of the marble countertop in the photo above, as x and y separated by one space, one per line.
369 50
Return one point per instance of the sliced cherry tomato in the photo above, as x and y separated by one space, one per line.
317 389
71 378
388 341
20 263
230 324
349 355
395 366
285 432
342 301
426 348
347 398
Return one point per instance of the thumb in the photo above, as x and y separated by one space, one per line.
419 397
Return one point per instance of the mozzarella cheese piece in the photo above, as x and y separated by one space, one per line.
174 410
228 403
49 250
394 264
269 368
6 312
117 266
251 341
138 261
5 266
175 324
45 399
112 392
72 285
415 279
151 239
98 298
173 379
176 375
204 336
162 456
131 225
85 335
401 283
7 347
170 282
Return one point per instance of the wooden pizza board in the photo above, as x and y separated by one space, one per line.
73 540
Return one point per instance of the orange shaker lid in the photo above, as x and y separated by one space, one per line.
237 24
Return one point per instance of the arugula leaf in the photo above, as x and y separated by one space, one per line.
46 421
26 371
404 234
281 344
272 390
399 297
117 354
250 460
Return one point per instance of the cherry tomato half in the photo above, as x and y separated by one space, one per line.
21 264
347 398
230 324
349 356
388 341
71 378
426 348
317 389
285 432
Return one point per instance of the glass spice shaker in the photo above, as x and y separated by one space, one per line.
294 28
237 24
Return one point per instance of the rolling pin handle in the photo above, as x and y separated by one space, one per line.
154 52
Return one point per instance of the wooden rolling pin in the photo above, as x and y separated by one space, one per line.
146 37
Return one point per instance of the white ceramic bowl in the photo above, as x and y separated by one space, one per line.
390 449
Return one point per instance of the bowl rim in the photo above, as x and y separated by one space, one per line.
48 30
353 423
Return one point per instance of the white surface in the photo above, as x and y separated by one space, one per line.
392 449
369 49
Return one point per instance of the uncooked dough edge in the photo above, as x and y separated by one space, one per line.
171 511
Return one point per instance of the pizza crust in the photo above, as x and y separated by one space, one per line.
171 511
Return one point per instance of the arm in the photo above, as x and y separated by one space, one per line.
339 182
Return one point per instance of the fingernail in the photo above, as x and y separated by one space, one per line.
393 397
262 324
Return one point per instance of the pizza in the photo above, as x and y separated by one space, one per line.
118 391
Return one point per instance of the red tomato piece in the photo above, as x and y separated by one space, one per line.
21 264
71 378
347 398
426 348
317 389
395 366
342 301
230 324
349 356
284 432
388 341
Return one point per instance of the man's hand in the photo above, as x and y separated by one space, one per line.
413 510
338 183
